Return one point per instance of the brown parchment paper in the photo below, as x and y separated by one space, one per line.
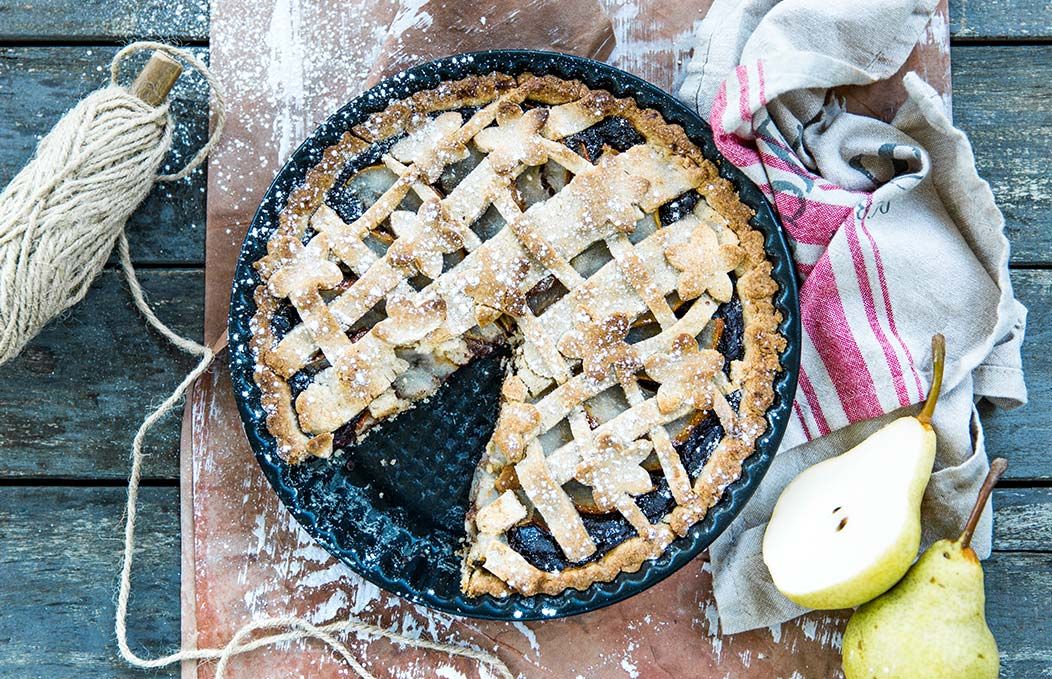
287 64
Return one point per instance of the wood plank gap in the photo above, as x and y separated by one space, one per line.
70 482
1025 483
93 41
1031 41
174 266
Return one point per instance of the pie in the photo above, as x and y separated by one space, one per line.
593 242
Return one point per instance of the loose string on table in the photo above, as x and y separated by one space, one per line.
60 218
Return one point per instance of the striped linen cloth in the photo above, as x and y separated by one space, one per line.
895 237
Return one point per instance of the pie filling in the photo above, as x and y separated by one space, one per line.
587 239
535 542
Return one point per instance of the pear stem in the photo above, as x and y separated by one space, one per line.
997 468
938 362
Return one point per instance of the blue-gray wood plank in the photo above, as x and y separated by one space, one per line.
67 410
68 21
977 20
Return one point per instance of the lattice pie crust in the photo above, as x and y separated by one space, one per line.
481 222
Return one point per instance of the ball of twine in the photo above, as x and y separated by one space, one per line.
62 214
59 220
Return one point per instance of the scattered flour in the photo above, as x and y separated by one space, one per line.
285 76
529 634
712 618
449 672
629 668
638 51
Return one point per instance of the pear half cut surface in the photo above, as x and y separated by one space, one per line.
847 529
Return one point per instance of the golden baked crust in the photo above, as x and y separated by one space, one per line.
670 278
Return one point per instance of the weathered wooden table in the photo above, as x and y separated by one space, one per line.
69 404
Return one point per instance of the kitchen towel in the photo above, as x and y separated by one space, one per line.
895 238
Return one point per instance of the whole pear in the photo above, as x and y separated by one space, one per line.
846 529
932 624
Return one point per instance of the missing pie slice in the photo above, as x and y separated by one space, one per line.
587 235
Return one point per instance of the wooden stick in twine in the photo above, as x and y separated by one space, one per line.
156 79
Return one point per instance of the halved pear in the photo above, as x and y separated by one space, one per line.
847 529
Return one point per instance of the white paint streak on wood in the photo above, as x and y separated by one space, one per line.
411 15
285 74
650 45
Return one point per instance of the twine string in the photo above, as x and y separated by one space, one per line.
60 218
219 109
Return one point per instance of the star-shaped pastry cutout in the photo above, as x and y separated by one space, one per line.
500 287
613 470
611 199
600 344
686 373
423 238
410 320
515 140
704 263
308 270
432 146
